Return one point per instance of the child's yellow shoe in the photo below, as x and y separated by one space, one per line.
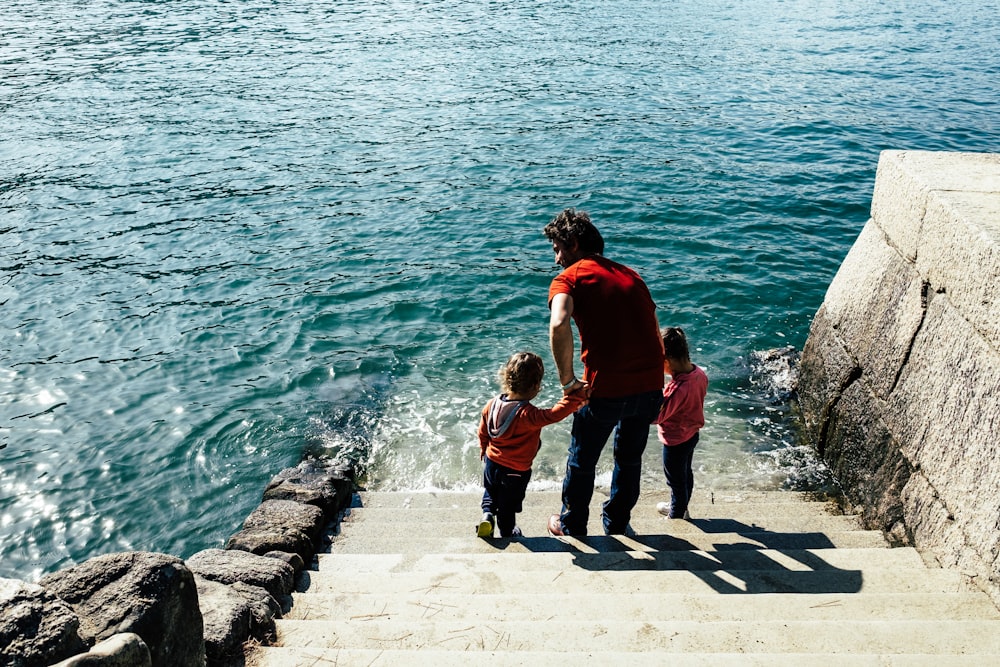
485 527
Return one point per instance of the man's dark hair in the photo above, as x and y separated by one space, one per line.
572 225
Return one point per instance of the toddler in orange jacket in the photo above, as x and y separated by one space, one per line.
510 437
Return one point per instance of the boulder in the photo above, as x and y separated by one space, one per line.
36 627
327 485
149 594
294 560
233 614
287 514
261 541
281 525
230 566
122 650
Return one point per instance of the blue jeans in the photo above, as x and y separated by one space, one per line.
503 494
629 418
680 478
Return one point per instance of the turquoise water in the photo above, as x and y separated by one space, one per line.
235 232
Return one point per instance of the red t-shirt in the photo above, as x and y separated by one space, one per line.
616 318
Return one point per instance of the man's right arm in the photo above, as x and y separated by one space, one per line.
561 340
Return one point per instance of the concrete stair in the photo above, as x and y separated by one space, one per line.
752 579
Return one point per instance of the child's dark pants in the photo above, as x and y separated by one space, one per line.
503 493
680 478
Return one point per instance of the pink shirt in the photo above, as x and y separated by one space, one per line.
683 411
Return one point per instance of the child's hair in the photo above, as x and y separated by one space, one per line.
675 345
522 372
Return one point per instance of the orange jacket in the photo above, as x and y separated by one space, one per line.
510 434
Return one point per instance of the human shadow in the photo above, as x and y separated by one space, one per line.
746 560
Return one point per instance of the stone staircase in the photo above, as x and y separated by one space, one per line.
753 579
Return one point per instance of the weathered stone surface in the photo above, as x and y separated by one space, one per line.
905 180
263 540
874 303
327 485
865 458
152 595
281 525
954 376
931 522
825 370
912 431
227 566
36 627
289 514
122 650
293 560
233 614
961 233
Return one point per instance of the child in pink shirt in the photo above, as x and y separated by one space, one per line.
681 417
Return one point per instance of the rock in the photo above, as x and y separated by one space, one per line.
36 627
151 595
294 560
281 525
261 541
327 485
233 614
122 650
775 372
287 514
229 566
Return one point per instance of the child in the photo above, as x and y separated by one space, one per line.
510 437
680 418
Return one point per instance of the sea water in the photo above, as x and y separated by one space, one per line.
236 233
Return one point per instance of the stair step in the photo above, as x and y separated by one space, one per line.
317 657
786 636
532 509
460 522
733 559
389 539
701 499
578 579
558 607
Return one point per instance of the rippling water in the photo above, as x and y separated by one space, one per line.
234 232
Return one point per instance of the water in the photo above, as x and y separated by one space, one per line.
234 233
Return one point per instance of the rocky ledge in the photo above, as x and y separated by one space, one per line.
138 609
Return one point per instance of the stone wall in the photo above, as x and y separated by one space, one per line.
900 376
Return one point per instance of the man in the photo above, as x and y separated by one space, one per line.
622 354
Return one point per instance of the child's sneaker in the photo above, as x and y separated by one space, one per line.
666 510
515 534
485 527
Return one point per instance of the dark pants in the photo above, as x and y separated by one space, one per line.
503 493
629 418
680 478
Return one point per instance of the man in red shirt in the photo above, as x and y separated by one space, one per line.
622 355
